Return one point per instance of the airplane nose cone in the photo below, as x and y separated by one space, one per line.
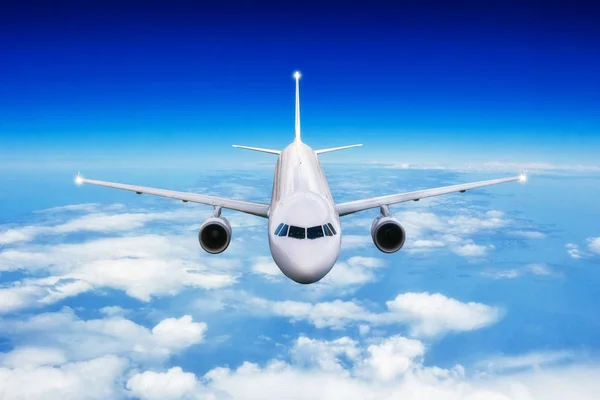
309 271
302 256
309 265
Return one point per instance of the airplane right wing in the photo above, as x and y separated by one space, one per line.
248 207
374 202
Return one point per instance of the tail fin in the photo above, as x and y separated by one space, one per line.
297 130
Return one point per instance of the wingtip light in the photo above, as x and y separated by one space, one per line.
522 177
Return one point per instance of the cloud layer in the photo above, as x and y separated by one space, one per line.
426 314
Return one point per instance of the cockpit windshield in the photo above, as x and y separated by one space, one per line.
297 232
314 232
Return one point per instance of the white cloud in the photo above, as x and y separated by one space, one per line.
86 339
502 274
574 251
85 207
417 223
465 224
39 291
364 329
179 333
498 166
528 234
434 314
172 384
404 165
594 245
535 269
27 356
423 245
13 235
537 167
335 314
233 189
472 250
427 232
143 278
114 311
354 271
392 368
324 355
357 221
393 357
495 214
426 314
539 269
274 380
526 361
93 379
142 266
98 222
356 241
365 262
265 265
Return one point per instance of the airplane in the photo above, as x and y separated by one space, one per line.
304 229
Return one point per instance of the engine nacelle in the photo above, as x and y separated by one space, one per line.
387 233
215 235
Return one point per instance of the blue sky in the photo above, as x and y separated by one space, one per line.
96 82
104 294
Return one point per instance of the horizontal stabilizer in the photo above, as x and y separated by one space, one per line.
337 148
258 149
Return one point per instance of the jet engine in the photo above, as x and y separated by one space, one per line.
215 235
387 233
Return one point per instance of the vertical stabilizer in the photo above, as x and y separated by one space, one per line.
297 129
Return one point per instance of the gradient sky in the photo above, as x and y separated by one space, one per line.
86 82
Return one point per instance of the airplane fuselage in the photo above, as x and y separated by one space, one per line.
305 247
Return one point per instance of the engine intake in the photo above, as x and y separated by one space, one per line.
387 233
215 235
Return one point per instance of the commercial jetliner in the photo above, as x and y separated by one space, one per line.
303 220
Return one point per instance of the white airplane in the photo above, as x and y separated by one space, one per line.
303 220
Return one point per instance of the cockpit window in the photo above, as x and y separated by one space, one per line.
297 232
278 229
283 231
332 228
314 232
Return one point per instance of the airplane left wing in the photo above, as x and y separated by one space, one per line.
359 205
248 207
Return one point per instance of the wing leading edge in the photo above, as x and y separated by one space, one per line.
360 205
248 207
